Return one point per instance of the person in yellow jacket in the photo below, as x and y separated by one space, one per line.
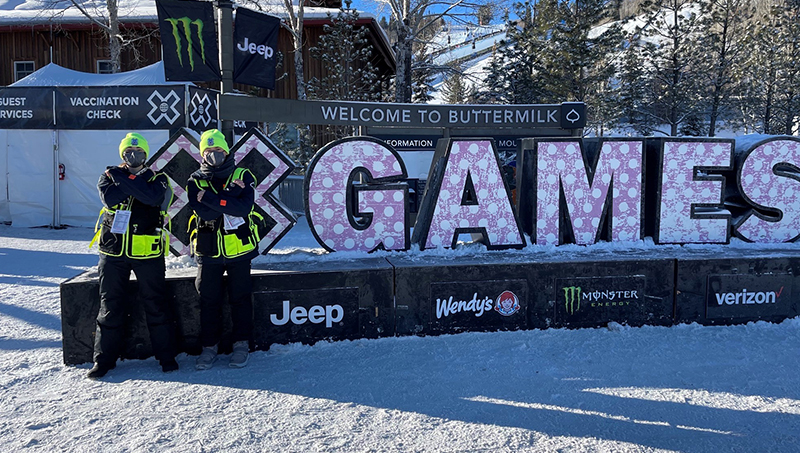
131 239
225 239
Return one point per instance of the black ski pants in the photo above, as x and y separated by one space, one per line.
115 306
209 284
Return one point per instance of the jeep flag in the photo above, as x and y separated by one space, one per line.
189 40
255 51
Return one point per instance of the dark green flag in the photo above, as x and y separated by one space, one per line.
188 40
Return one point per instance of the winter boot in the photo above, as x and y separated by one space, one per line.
99 370
240 354
207 358
169 365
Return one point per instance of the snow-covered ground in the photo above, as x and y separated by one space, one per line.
686 388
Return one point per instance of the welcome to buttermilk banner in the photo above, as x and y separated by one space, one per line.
189 40
567 115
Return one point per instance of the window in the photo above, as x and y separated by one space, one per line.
23 68
104 67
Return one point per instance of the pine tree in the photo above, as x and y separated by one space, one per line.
512 68
768 99
722 50
582 63
672 62
345 55
632 88
491 90
788 33
422 76
454 89
348 73
579 66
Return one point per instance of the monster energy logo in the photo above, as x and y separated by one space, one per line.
187 32
572 299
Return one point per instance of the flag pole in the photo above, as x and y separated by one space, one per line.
226 58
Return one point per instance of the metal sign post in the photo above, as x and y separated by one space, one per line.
226 61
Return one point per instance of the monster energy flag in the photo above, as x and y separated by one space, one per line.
189 40
256 39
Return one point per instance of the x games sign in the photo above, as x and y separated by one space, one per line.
180 157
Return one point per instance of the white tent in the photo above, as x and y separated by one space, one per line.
49 176
55 75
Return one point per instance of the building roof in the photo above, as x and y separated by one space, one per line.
16 14
35 12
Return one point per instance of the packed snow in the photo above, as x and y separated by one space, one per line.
686 388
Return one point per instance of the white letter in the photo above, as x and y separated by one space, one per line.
330 318
284 319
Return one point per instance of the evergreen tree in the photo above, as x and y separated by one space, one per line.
632 88
579 66
454 89
422 76
788 34
767 101
345 55
672 62
348 73
552 55
512 68
582 65
491 90
723 49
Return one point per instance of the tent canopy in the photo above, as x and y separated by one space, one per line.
55 75
60 128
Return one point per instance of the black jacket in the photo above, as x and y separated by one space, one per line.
148 193
223 199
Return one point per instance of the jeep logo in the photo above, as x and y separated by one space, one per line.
251 47
316 315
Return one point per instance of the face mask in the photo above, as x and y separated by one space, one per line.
134 158
215 158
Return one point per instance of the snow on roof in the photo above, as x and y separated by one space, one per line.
30 12
55 75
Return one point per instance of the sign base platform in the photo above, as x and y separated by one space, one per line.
429 294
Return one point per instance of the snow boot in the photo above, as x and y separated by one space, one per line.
169 365
207 358
241 354
99 370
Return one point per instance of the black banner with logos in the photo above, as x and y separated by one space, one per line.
255 54
479 305
748 296
598 300
26 108
188 40
131 107
310 314
202 111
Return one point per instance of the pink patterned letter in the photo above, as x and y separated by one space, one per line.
764 184
360 217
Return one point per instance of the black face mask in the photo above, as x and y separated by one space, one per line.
215 158
134 159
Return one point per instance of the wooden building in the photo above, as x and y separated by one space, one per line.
30 39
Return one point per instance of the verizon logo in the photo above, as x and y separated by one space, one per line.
748 297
